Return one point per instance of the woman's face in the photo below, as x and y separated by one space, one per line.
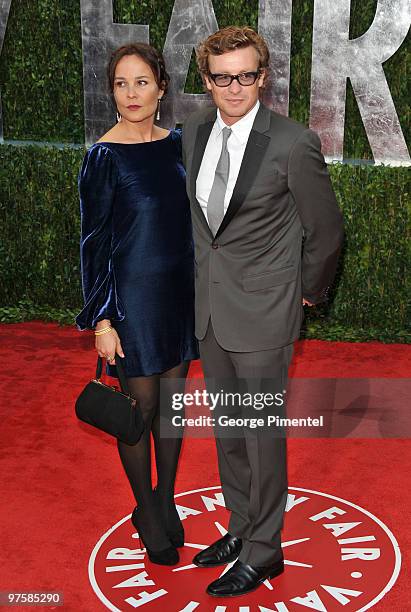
135 89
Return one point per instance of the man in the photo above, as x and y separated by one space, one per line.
267 232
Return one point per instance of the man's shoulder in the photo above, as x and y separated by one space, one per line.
283 123
290 132
208 113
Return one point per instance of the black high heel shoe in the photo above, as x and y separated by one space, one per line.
174 529
166 556
177 537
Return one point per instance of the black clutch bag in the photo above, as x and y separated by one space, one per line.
113 411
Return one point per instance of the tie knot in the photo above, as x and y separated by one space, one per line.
226 135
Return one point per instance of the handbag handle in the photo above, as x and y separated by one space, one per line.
120 372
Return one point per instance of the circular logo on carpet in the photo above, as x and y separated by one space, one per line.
337 556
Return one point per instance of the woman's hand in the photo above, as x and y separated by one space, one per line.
107 345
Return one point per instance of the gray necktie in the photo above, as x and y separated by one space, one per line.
215 204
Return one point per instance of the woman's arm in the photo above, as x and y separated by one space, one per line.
97 187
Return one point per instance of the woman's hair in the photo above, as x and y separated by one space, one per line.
148 54
229 39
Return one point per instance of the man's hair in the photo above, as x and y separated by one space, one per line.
229 39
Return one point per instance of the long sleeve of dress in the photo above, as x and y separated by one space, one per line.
97 187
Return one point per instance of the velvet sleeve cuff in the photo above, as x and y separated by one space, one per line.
103 303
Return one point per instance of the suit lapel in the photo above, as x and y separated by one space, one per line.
203 134
253 156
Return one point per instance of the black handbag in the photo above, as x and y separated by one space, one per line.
113 411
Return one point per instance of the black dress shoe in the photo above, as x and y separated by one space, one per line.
166 556
241 579
223 551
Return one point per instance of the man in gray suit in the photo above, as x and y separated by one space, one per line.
267 232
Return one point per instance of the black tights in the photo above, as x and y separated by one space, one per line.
136 459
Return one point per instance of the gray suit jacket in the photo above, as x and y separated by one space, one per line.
279 240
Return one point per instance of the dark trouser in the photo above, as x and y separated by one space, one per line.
253 466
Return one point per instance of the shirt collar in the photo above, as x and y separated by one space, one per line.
242 128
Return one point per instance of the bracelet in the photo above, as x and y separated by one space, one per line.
96 331
104 330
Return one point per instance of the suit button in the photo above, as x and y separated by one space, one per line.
214 245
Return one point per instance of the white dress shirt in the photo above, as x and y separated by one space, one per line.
236 144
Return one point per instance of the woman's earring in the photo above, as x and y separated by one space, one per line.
158 110
118 117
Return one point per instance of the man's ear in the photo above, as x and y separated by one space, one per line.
207 82
263 77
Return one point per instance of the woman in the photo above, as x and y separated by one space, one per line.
138 278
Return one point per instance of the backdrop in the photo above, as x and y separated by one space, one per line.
41 67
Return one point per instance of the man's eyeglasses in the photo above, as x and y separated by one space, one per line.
245 78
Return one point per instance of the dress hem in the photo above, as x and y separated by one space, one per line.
112 371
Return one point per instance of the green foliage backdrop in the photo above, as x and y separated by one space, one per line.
39 252
41 88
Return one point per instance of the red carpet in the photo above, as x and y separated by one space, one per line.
63 486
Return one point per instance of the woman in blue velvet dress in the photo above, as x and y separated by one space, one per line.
138 276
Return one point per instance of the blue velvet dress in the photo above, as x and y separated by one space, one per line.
137 256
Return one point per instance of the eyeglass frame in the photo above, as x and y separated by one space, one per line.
235 77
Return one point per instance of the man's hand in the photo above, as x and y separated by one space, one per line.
307 303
